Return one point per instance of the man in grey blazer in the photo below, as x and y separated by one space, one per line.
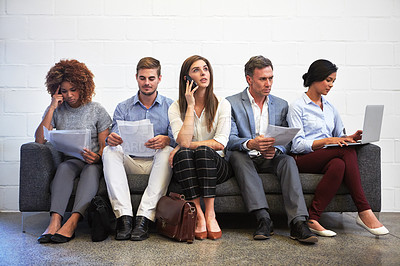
249 152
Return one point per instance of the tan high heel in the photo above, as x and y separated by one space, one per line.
214 235
200 235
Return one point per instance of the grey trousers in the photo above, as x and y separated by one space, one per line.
63 183
284 167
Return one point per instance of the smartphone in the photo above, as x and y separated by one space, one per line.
188 78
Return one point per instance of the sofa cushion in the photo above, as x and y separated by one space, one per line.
138 183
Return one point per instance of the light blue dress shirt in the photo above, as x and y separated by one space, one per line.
133 110
313 122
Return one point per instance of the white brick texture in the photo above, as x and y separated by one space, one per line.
13 28
52 28
79 7
28 7
360 36
127 8
29 52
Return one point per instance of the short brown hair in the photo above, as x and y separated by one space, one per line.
254 62
75 73
149 63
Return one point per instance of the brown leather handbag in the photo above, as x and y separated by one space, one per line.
176 217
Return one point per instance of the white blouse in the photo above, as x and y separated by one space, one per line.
221 127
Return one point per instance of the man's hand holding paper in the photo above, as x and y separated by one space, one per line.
138 138
158 142
114 139
282 135
260 143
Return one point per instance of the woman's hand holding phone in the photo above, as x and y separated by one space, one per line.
191 88
188 78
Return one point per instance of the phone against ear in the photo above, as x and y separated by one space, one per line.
188 78
59 90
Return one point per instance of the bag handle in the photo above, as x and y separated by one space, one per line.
174 195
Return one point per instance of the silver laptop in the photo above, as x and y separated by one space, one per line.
372 126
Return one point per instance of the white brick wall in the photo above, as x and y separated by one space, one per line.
361 36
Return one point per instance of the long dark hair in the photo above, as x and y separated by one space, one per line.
211 103
318 71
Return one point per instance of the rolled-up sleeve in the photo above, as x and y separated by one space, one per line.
299 143
223 128
175 120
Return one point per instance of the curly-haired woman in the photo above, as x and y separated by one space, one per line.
70 84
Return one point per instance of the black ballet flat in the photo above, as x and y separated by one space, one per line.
46 238
57 238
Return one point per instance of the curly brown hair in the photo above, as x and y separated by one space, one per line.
75 73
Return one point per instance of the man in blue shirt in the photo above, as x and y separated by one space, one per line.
146 104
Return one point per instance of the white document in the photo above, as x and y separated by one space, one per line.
134 135
282 135
69 142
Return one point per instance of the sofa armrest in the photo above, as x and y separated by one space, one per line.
369 162
38 164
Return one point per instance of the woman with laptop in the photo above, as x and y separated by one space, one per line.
320 125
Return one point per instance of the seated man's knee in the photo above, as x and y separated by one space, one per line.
235 156
286 161
167 149
110 150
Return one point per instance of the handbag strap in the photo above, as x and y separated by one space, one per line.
177 196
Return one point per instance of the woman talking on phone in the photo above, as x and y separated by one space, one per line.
320 124
70 84
201 124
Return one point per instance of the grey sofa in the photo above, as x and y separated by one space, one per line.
39 163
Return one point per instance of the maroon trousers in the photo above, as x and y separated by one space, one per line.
338 165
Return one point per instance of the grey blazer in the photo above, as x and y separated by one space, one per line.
243 125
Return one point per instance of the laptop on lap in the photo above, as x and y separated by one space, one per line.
372 126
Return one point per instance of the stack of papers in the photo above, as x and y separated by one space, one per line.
282 135
134 135
69 142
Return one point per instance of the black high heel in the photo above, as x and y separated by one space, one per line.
57 238
45 238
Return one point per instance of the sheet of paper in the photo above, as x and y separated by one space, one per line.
282 135
134 135
69 142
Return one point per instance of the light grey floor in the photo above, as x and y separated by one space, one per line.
352 246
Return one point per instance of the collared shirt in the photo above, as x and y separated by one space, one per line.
314 123
221 124
133 110
261 120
